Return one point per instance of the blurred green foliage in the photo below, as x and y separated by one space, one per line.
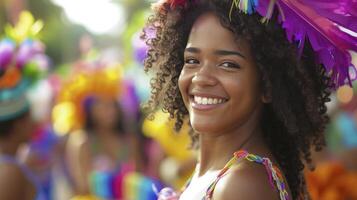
61 36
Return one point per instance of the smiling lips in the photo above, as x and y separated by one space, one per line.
207 100
206 103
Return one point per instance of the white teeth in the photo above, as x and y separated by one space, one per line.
207 101
198 100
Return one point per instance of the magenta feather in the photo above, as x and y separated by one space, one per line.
342 12
320 22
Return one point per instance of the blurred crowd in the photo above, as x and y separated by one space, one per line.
78 131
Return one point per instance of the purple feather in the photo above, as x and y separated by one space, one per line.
27 50
342 12
24 54
7 48
328 41
140 49
129 99
320 22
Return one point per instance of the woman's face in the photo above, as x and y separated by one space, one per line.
219 81
105 113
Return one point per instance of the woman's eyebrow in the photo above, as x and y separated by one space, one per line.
227 52
217 52
192 50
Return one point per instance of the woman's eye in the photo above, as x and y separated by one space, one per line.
230 65
191 61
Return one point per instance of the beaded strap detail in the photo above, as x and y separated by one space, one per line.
273 172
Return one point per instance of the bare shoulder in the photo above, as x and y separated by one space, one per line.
77 144
79 160
248 181
13 182
11 172
78 153
77 139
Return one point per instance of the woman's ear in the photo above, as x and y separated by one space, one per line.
267 96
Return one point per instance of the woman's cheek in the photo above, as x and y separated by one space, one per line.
183 82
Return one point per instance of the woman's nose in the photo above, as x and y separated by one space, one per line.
205 76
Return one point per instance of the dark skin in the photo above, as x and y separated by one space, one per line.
13 183
223 71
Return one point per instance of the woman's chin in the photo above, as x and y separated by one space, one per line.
203 128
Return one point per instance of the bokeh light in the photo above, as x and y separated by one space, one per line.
345 94
98 16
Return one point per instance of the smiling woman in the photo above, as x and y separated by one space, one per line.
256 102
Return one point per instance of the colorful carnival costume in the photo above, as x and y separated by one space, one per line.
175 145
22 63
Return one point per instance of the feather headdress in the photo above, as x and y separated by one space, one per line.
87 79
329 25
22 63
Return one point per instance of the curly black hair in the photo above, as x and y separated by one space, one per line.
295 119
89 123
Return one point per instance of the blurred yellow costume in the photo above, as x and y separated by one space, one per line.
175 144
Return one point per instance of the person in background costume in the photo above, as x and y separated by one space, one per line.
102 150
22 63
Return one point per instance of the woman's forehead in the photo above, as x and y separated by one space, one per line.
208 33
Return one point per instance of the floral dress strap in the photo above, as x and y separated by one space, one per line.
275 176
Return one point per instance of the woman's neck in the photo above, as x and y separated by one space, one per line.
215 152
104 131
217 149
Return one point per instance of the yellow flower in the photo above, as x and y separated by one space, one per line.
25 28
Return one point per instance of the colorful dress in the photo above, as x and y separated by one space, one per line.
107 174
118 179
275 178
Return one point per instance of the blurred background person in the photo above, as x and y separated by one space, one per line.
102 150
105 152
22 63
44 153
99 146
